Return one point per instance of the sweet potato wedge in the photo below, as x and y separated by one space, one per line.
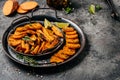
29 5
57 31
35 50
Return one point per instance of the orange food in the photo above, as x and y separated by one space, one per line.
27 47
55 59
73 46
20 10
57 31
8 7
29 5
72 40
68 29
72 32
35 50
47 35
32 38
69 49
61 55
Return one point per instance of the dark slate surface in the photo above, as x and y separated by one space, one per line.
100 59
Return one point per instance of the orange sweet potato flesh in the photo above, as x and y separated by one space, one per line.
8 7
20 10
29 5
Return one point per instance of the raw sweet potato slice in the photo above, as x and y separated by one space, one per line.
8 7
29 5
20 10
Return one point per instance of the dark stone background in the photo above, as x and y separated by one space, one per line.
100 59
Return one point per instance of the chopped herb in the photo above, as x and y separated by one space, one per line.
68 9
98 7
26 38
27 59
19 56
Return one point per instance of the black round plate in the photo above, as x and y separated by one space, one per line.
39 61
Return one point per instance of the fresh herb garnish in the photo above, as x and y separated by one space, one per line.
98 7
26 38
27 59
68 10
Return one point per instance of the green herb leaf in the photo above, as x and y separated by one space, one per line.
19 56
98 7
26 38
68 9
27 59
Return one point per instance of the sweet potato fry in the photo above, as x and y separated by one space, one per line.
41 47
71 33
55 59
31 42
38 40
20 29
35 50
72 36
19 48
60 54
30 32
72 40
14 42
73 46
23 45
55 42
47 36
37 25
18 36
33 38
29 27
47 45
68 51
68 29
27 48
57 31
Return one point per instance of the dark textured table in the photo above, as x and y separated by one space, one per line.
100 60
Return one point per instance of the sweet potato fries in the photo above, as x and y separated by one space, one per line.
69 49
33 38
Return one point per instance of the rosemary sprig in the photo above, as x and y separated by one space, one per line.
27 59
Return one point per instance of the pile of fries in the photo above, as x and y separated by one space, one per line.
34 38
